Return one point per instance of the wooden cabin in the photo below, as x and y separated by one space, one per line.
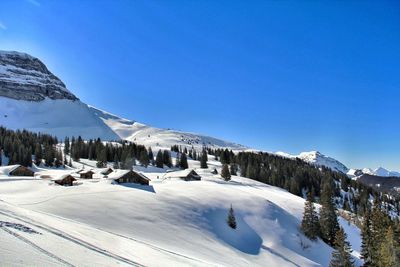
187 175
66 179
107 171
129 176
19 170
86 174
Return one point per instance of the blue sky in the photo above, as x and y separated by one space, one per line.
280 76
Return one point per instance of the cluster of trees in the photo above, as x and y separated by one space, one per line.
20 147
380 238
124 154
298 177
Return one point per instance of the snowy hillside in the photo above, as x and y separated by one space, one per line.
159 138
168 223
60 117
319 159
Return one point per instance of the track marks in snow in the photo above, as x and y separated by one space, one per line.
64 236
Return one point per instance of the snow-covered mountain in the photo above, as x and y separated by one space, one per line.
381 172
32 98
318 159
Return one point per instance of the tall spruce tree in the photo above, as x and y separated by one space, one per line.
159 159
183 161
151 156
203 160
367 242
341 256
310 223
328 221
225 172
389 254
231 219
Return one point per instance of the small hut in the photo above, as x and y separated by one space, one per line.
86 174
129 176
65 179
187 175
106 171
16 170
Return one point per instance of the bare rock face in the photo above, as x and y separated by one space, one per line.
24 77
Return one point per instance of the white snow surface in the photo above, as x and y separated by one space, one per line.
168 223
318 159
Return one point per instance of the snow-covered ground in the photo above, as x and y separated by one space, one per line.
168 223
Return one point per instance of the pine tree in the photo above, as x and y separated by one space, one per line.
151 156
225 172
167 158
310 223
231 220
183 162
159 160
203 160
366 244
233 169
66 145
328 221
38 154
388 251
379 225
144 158
341 256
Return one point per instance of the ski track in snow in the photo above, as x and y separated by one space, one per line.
64 236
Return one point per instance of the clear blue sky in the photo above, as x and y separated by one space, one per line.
280 76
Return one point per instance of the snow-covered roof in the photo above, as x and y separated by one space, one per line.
116 174
178 174
61 177
6 170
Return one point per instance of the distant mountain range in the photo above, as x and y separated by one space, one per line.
33 98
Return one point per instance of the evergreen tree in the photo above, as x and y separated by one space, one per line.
341 256
310 223
231 220
379 225
116 163
66 146
183 161
144 158
151 156
225 172
1 157
203 160
38 154
159 160
328 221
233 169
366 244
388 252
178 160
167 158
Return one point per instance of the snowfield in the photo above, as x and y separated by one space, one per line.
168 223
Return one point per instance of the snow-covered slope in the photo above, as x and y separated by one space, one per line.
318 159
159 138
169 223
33 98
61 117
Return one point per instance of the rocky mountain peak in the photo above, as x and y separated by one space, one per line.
24 77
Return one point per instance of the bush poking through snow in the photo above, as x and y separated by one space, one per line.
231 220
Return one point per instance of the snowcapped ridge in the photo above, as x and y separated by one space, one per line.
318 159
25 77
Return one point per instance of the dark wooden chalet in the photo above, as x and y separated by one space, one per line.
64 180
187 175
107 171
129 176
19 170
86 174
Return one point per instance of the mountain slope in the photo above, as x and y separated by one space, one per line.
33 98
318 159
